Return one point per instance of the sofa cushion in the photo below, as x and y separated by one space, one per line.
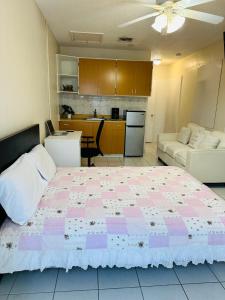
221 136
181 157
174 148
164 144
196 139
184 135
209 141
195 127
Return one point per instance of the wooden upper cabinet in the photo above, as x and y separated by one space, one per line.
143 78
88 76
107 77
102 77
125 78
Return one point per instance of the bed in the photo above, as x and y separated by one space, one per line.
124 217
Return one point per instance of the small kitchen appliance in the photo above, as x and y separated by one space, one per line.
115 113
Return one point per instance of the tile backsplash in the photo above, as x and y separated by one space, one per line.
103 105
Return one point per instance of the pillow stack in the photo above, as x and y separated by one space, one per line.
23 184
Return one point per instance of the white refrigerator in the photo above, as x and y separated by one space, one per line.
135 132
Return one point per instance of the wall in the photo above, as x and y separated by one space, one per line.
106 53
179 110
25 94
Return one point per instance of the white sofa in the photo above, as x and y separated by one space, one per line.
207 165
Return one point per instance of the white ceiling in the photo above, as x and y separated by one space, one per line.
105 16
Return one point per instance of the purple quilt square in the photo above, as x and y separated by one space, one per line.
176 226
54 226
96 241
216 239
158 241
117 228
116 220
30 242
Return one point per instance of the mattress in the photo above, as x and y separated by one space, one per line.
124 217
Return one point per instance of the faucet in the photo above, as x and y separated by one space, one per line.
95 113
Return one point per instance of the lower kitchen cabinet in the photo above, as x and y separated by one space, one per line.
113 134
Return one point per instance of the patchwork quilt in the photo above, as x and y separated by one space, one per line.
125 217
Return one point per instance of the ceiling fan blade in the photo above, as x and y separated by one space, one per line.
190 3
148 16
156 7
200 16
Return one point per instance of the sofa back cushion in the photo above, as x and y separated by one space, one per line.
184 135
209 141
195 127
196 139
221 136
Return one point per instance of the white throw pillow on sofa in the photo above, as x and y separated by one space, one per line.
196 139
184 135
43 162
209 141
21 188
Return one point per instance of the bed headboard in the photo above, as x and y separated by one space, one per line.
13 146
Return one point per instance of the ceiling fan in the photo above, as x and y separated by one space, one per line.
170 16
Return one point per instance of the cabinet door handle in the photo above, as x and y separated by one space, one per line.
66 124
135 91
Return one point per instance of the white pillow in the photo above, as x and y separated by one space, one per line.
196 139
221 145
21 188
184 135
209 142
43 162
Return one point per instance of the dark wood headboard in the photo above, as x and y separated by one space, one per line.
13 146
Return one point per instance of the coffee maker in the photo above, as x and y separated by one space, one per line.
115 113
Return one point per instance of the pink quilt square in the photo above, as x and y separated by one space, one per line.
76 212
123 189
94 203
62 195
109 195
54 226
186 211
132 212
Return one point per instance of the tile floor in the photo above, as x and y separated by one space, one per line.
193 282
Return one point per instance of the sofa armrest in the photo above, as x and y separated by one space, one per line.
207 165
167 137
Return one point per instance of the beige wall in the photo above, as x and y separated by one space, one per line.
106 53
186 71
25 93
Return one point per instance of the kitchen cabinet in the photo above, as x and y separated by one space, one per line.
113 134
97 77
102 77
88 76
134 78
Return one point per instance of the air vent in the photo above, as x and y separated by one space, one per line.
125 39
86 37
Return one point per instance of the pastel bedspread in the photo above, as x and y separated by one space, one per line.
122 217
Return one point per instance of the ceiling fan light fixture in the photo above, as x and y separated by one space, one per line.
160 23
167 23
175 24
